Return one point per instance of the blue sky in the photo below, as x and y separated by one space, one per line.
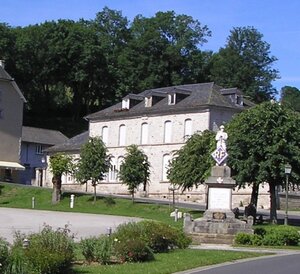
277 20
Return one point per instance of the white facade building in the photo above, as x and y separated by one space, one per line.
160 121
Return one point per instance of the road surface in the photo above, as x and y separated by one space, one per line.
81 225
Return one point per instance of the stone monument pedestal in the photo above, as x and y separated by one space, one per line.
218 224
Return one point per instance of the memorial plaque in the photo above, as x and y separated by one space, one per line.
219 198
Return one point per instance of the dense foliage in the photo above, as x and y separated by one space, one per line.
59 164
290 97
192 163
270 236
67 68
93 163
261 141
49 252
135 169
245 62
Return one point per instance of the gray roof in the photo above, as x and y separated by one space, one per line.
4 76
195 98
42 136
72 145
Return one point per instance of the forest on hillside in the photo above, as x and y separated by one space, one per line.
67 69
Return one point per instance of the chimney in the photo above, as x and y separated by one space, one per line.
2 64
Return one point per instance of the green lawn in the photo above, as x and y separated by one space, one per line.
177 260
17 196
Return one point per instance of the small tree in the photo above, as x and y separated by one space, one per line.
93 163
135 169
59 164
192 163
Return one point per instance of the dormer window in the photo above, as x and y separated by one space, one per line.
148 102
172 99
239 100
125 103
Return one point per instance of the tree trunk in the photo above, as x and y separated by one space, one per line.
56 194
254 194
273 211
95 192
132 196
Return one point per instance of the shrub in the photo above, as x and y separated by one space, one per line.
97 249
3 253
271 236
132 250
17 263
161 237
281 235
243 238
260 231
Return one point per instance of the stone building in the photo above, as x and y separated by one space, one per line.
11 119
160 121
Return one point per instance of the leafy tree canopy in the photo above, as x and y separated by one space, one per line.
290 97
261 141
135 169
192 163
246 63
60 164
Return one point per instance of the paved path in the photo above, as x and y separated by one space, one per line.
82 225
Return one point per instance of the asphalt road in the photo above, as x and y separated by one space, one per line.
289 264
81 225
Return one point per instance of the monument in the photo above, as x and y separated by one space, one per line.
218 224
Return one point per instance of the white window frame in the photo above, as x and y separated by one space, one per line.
104 135
144 133
168 131
112 173
172 99
188 129
39 150
119 163
165 166
125 103
122 135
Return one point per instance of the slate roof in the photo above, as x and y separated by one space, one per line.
197 97
42 136
72 145
4 76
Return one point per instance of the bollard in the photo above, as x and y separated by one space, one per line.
108 231
32 202
176 215
72 200
25 243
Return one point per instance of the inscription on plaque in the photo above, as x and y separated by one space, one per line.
219 198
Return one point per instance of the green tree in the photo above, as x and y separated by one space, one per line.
261 141
192 163
135 169
59 164
163 51
290 97
246 63
93 163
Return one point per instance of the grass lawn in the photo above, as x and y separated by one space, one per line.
18 196
177 260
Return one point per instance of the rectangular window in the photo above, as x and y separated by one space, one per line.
122 135
172 99
144 134
168 132
39 149
105 135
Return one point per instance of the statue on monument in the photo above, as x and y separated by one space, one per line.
221 138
